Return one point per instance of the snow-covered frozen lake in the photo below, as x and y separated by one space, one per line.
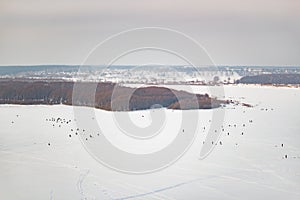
256 157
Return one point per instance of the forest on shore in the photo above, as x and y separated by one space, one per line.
51 92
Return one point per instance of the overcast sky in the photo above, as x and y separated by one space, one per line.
234 32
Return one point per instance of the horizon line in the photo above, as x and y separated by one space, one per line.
75 65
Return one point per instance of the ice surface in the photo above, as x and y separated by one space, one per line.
45 159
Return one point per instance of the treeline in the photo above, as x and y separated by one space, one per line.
279 79
107 96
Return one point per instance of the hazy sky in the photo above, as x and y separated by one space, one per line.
235 32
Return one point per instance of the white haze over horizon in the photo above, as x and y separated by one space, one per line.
233 32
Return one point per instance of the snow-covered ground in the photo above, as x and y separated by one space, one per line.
256 157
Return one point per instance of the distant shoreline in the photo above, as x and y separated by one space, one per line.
150 84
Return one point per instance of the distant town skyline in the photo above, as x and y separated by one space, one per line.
233 32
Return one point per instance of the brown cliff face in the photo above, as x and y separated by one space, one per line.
126 99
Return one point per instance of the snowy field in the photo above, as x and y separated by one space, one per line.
256 157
